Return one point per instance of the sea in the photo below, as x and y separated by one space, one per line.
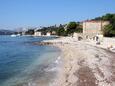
24 64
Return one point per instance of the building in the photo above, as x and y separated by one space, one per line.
48 34
37 33
93 28
53 32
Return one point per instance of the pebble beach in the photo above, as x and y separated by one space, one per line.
83 64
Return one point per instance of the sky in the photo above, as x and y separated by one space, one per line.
35 13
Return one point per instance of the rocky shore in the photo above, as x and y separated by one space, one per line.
83 64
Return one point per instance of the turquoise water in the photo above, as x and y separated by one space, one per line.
25 64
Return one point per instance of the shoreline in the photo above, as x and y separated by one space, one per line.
83 64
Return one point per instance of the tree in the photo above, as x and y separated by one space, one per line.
79 30
30 32
61 31
71 27
108 17
109 30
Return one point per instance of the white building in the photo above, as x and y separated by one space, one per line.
37 33
48 34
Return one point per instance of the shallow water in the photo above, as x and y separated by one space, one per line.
25 64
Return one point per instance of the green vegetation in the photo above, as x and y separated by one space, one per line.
29 32
74 27
63 30
109 30
71 27
50 29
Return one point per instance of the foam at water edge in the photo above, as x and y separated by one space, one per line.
57 60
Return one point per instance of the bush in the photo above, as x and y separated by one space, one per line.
61 32
109 31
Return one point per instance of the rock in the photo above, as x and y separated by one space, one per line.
42 43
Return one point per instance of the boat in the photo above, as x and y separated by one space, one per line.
18 35
13 35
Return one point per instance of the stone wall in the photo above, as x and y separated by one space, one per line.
108 41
